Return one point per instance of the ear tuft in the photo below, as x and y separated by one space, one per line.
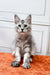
16 19
28 19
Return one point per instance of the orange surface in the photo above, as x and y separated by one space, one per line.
39 66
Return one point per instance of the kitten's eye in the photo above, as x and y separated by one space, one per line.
19 25
25 25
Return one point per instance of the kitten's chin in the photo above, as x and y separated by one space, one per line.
23 33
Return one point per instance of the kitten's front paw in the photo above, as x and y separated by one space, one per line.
26 65
15 64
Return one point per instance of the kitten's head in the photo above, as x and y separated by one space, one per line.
22 26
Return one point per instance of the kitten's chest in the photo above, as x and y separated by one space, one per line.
22 43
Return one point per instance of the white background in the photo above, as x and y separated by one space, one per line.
40 11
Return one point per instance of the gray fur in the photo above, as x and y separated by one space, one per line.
22 21
23 45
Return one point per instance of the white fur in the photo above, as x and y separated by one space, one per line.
26 57
17 54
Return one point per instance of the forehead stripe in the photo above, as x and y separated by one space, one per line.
22 21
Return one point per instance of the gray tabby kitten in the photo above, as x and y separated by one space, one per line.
23 45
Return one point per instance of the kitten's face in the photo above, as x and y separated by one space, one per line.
23 26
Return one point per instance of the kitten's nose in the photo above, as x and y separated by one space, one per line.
22 30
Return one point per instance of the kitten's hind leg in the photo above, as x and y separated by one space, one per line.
31 58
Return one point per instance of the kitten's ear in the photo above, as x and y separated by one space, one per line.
28 19
16 19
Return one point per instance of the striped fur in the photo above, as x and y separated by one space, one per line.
23 45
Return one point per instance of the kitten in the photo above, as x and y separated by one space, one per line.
23 45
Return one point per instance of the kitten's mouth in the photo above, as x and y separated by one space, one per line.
22 32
